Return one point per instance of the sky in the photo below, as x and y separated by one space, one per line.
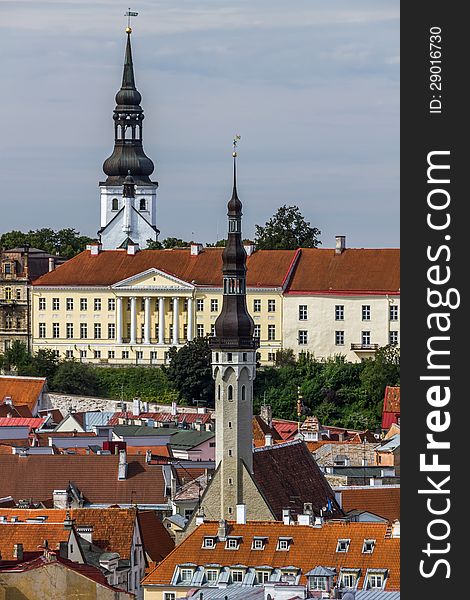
312 87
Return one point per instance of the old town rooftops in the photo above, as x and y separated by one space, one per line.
322 542
307 270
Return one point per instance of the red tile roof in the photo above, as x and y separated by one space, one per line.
33 423
392 399
261 429
158 542
286 429
288 477
310 547
266 268
21 410
31 535
163 417
37 476
22 390
382 501
355 270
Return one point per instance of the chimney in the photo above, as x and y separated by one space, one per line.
249 248
68 522
136 407
51 263
95 249
60 498
132 249
286 516
122 469
340 244
222 530
199 519
18 551
86 532
266 413
268 439
241 514
7 400
196 249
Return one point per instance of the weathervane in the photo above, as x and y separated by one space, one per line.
129 14
236 139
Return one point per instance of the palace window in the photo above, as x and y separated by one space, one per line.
339 338
200 304
212 330
393 337
69 354
97 353
69 303
83 331
271 305
42 330
55 303
257 331
303 337
83 303
42 304
111 303
97 331
394 312
125 354
111 331
214 305
366 312
303 312
200 331
83 353
365 338
69 331
97 304
271 332
257 305
339 312
111 354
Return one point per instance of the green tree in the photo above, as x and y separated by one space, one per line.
43 363
190 372
154 245
65 242
286 230
74 377
16 358
380 371
217 244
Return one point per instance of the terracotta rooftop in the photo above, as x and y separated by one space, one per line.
320 541
158 542
382 501
22 390
37 476
266 268
20 410
286 429
32 422
392 399
31 535
354 270
261 429
288 477
163 417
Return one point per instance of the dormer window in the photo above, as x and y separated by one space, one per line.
232 543
258 543
343 545
348 578
283 543
237 576
208 542
212 575
186 575
368 546
375 579
262 576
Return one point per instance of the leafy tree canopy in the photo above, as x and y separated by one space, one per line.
190 372
65 242
286 230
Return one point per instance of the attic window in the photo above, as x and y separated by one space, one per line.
349 578
343 545
208 542
375 579
258 543
186 575
232 543
284 543
368 546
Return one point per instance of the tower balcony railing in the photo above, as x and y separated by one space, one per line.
251 343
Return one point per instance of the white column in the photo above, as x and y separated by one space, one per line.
190 318
147 321
133 320
119 320
176 323
161 320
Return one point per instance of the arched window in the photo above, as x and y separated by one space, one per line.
218 392
243 392
143 204
114 204
230 393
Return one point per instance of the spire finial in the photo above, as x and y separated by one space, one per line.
129 14
236 139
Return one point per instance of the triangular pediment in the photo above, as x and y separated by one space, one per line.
153 279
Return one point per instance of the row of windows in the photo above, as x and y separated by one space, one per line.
69 304
10 321
111 354
302 338
339 312
8 293
115 204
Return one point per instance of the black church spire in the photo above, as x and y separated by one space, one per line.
234 326
128 154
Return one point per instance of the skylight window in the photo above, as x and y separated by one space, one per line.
208 542
343 545
258 543
283 543
368 546
232 543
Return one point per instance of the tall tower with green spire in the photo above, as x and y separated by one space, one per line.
128 158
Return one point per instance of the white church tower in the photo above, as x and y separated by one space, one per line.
234 370
132 219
